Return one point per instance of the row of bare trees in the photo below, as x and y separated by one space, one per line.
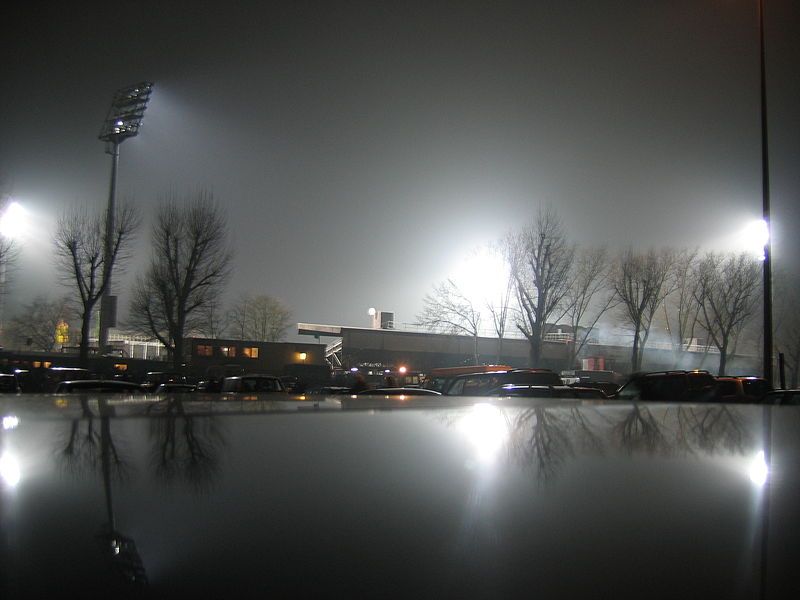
177 294
552 280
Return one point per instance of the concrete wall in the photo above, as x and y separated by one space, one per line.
425 351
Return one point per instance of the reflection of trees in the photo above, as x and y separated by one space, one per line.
89 443
184 447
714 428
586 432
541 438
639 431
545 438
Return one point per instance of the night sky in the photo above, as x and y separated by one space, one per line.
361 150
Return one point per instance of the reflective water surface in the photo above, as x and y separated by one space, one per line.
471 499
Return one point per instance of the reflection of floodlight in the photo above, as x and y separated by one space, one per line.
122 121
9 470
371 312
759 471
486 428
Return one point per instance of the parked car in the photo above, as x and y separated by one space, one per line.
9 384
399 391
209 385
583 376
669 386
782 397
52 376
99 385
489 382
607 387
441 378
550 391
155 378
741 389
175 388
252 384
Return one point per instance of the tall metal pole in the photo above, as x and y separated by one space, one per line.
765 203
107 310
122 121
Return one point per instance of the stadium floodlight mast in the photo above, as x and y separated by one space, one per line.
122 122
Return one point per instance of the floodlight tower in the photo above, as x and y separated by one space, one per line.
122 122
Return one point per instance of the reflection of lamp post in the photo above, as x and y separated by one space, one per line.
767 267
122 121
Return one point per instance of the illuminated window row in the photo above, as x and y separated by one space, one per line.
227 351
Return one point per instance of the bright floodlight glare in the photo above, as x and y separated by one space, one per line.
481 276
754 237
13 221
486 428
758 470
371 312
127 110
9 470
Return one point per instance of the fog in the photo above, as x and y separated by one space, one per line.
361 150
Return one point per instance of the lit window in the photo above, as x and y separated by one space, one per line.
121 367
251 352
203 350
229 351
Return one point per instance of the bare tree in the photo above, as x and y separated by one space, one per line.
8 257
589 296
499 308
36 323
728 290
681 309
79 252
641 282
8 249
540 259
214 321
259 318
188 269
448 310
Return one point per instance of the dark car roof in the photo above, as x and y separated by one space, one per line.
100 385
549 391
784 397
401 391
479 498
485 383
666 386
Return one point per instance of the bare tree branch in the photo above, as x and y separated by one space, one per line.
540 258
448 310
188 270
727 292
79 242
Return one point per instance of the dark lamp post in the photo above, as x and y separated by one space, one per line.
767 267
